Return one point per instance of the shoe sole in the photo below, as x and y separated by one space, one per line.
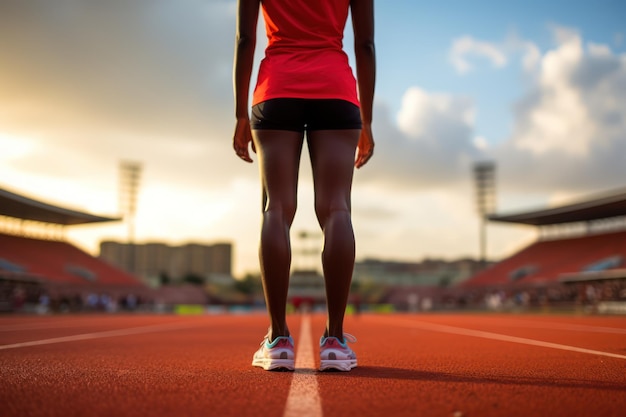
275 364
337 365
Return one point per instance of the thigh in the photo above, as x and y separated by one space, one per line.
279 160
332 155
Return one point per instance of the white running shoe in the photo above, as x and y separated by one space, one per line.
275 356
336 355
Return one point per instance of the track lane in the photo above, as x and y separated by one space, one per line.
194 372
605 334
205 369
534 338
410 371
34 329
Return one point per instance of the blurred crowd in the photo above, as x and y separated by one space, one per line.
26 297
33 298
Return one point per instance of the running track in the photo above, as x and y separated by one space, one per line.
409 365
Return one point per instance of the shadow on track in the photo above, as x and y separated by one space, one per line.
380 372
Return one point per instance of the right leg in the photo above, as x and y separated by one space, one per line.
279 160
332 159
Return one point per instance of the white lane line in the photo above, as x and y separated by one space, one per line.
304 398
41 325
496 336
566 326
100 335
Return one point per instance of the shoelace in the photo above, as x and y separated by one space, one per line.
349 338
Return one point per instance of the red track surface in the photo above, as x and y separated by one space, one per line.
409 365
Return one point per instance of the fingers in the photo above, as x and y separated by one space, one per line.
243 154
365 147
241 149
243 137
363 156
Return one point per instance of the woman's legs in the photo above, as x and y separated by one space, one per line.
332 155
279 159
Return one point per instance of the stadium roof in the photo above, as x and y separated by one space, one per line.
598 207
18 206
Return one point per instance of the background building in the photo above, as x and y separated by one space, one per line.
156 262
428 273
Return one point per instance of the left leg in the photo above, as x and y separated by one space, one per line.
332 155
279 159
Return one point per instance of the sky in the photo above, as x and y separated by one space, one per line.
537 87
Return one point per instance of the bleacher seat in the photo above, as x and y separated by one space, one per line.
547 260
59 262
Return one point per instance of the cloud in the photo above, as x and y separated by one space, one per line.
97 63
570 133
430 145
531 54
466 49
481 142
99 81
425 116
558 118
466 46
84 84
567 125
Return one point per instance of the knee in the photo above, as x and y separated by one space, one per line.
284 211
326 212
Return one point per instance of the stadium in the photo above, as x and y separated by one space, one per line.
446 357
166 322
577 263
40 271
578 260
32 267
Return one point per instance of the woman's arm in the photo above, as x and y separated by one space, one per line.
247 17
365 54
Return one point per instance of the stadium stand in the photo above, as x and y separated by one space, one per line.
548 260
33 270
59 262
579 258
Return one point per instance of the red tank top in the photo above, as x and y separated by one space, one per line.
304 57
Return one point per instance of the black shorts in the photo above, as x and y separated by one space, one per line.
301 114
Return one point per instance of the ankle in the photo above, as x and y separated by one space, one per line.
336 333
273 335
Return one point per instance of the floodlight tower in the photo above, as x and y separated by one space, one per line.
308 251
484 177
130 173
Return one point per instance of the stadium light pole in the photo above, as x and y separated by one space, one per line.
130 173
308 252
484 177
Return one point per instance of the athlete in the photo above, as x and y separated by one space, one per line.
305 88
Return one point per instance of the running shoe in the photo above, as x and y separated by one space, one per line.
275 356
336 355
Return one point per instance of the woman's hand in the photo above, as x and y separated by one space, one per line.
365 148
241 139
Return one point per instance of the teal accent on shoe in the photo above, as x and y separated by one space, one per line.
278 340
